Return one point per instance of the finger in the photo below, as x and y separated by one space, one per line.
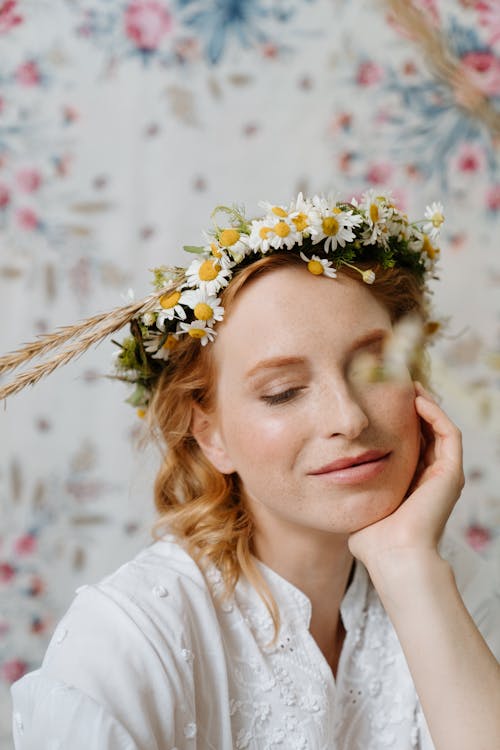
421 391
447 437
433 415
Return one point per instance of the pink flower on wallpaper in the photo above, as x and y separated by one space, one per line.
28 179
4 196
7 572
9 17
25 544
369 73
36 586
489 17
483 70
28 74
478 537
471 158
379 173
493 198
146 23
27 219
13 670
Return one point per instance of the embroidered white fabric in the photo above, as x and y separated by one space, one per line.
150 659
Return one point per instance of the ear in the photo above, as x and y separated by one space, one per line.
207 434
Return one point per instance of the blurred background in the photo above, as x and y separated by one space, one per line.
122 124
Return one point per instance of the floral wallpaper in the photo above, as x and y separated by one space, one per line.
122 124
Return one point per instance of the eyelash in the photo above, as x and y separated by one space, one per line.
281 398
291 393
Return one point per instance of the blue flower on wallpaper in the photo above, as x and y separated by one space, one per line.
218 20
182 31
436 119
428 126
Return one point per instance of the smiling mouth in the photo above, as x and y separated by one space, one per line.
348 463
355 470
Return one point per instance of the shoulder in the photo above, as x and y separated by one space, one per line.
124 650
478 581
149 599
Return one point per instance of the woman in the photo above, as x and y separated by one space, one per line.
298 594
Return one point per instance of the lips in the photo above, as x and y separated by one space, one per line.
347 462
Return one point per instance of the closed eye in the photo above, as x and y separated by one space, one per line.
280 398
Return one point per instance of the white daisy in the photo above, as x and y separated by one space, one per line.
207 274
319 266
205 306
234 242
435 216
300 214
378 210
170 307
282 212
421 243
198 329
331 222
273 232
158 346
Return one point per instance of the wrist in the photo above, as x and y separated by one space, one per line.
401 573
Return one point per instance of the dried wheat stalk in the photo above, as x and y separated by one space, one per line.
82 336
444 64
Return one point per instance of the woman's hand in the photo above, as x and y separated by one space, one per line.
456 676
417 525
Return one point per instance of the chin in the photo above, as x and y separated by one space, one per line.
372 513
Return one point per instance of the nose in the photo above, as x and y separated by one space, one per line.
341 412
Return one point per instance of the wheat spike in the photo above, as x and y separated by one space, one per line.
444 63
81 335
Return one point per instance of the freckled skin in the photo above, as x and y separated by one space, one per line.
327 413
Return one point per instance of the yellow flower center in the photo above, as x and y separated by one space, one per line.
330 226
141 413
202 311
282 229
315 267
278 211
228 237
168 301
437 219
196 333
374 213
208 270
263 232
215 250
170 342
300 222
429 248
337 210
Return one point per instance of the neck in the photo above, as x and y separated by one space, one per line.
318 564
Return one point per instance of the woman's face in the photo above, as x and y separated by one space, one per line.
291 408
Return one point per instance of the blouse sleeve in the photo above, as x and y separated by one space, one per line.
478 581
50 715
108 681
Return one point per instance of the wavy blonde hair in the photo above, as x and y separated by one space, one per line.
200 506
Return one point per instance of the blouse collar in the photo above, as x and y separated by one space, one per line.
295 606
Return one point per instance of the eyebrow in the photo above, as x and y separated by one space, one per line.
275 362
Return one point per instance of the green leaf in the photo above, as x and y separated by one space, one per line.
139 397
193 249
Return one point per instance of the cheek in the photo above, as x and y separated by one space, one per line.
396 414
256 436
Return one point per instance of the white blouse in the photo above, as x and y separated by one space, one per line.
150 659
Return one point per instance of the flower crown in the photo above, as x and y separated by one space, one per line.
326 234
